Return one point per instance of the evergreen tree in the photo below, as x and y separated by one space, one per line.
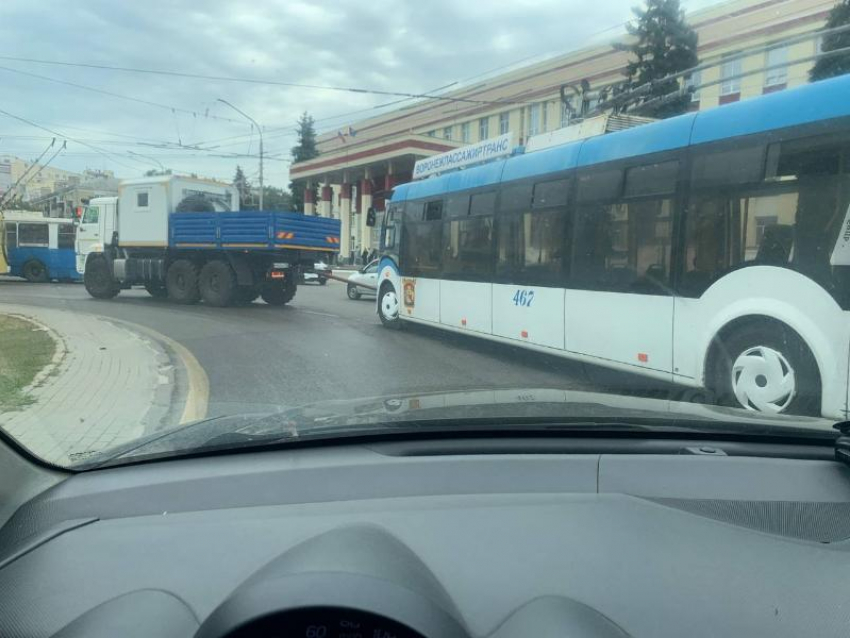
665 45
836 64
304 150
243 186
276 198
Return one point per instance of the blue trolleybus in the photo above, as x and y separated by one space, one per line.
40 249
711 250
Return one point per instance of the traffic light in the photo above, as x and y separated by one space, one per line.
370 217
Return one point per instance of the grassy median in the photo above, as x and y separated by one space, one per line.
25 349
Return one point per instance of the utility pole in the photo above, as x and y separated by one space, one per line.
260 131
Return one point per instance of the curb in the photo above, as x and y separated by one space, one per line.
196 402
198 386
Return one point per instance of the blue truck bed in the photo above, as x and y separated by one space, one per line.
253 230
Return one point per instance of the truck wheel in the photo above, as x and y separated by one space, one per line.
181 282
156 290
764 366
35 272
217 283
98 279
245 295
276 294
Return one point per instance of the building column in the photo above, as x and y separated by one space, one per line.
345 222
325 203
365 205
309 204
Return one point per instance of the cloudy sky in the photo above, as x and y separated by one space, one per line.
388 45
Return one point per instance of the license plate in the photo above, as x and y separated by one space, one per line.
276 274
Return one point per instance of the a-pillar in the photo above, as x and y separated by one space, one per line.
325 202
365 205
345 221
309 204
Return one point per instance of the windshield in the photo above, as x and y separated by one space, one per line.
263 223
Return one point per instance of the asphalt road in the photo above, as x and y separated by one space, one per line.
322 346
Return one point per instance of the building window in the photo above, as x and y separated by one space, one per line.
692 83
730 72
142 199
545 108
447 133
566 113
777 58
504 123
534 119
432 133
483 128
464 132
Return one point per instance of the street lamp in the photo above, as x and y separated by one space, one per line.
260 131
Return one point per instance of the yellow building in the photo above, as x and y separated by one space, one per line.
358 171
42 182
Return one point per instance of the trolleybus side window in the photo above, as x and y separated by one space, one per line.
67 234
788 215
33 235
11 235
468 240
623 242
421 240
530 247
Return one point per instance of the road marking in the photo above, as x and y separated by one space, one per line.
321 314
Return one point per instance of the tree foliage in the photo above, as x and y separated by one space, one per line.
274 198
834 65
664 45
305 149
243 186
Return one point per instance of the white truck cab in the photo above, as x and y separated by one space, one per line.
95 227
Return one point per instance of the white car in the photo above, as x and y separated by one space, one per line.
315 275
364 281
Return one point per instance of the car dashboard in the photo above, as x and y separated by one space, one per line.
462 539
